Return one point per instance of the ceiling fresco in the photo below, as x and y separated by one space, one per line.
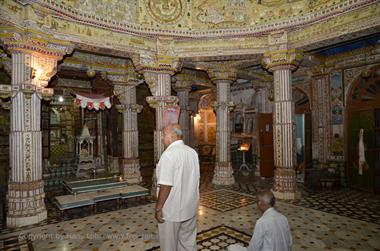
188 15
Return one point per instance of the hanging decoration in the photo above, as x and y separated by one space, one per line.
92 101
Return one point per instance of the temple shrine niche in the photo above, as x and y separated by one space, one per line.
85 154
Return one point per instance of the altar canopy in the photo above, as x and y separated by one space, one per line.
92 101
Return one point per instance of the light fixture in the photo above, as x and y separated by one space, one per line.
33 73
61 99
91 73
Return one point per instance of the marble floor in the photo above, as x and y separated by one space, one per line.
330 220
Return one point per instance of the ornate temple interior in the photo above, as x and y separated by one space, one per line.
273 95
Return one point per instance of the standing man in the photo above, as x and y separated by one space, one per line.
272 231
178 193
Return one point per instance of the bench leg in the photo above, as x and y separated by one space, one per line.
93 208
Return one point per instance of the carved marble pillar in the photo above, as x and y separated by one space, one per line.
183 88
281 62
26 188
34 62
320 114
126 93
223 78
160 86
101 153
157 70
192 130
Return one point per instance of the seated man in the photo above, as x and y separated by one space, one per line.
272 231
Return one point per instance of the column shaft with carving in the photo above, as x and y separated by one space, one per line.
320 115
129 108
160 86
223 78
182 88
281 62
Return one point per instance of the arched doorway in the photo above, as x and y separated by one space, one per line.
205 128
363 112
303 132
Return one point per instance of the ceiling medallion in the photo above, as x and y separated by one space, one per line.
166 11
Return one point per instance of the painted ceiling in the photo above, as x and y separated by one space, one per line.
187 14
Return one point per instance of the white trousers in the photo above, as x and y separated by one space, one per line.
178 236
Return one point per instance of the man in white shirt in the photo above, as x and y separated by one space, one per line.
272 231
178 193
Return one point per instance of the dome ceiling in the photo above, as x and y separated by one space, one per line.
183 17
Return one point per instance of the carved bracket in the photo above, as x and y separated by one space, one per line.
162 101
282 59
132 107
224 105
27 89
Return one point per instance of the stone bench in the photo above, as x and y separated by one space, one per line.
71 201
93 185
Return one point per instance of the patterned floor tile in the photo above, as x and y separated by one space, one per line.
327 220
219 238
136 229
15 243
224 200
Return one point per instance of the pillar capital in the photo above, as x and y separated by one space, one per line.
17 40
223 105
222 73
183 81
131 107
162 101
319 71
279 56
159 63
130 78
281 59
181 85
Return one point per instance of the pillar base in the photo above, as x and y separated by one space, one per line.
26 203
131 170
286 195
223 174
285 186
20 221
113 164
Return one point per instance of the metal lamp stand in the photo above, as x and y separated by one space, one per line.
244 168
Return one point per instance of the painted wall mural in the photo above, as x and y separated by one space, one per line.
336 92
337 113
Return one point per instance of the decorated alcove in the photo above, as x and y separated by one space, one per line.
205 128
363 112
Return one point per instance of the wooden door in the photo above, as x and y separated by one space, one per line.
265 129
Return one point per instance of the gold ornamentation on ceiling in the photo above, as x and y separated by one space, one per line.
324 21
166 11
116 10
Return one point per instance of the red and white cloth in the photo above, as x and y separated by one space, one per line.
92 101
